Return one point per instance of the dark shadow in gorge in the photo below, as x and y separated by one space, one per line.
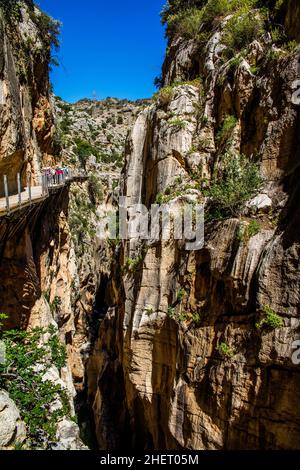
85 419
105 425
83 404
101 306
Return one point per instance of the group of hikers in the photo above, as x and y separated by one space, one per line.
56 175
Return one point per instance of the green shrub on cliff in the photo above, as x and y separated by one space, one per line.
178 123
225 350
186 24
241 30
196 19
270 320
164 96
171 312
55 305
248 231
228 125
221 8
82 218
185 18
95 189
12 8
131 265
64 125
181 294
233 186
3 317
84 150
57 349
49 28
279 4
184 316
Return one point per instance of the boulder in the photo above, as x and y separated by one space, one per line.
12 428
68 436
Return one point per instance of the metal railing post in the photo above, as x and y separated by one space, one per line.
6 193
19 189
43 184
29 187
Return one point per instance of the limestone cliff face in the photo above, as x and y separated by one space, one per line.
38 273
51 262
160 374
38 268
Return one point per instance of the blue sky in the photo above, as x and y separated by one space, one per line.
108 47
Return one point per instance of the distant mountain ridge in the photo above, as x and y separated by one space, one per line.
95 128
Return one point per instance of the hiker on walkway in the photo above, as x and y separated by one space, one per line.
66 171
48 174
28 172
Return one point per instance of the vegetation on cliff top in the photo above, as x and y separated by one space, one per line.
194 19
12 7
49 28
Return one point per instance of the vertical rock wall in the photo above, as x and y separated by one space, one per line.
164 377
26 118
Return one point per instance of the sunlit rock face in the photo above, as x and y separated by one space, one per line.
38 270
156 381
51 261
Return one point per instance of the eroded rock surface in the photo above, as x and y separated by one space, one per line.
26 115
12 428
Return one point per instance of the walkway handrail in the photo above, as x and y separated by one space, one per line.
37 190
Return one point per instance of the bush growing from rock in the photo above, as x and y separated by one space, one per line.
29 356
240 31
164 96
271 320
233 186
